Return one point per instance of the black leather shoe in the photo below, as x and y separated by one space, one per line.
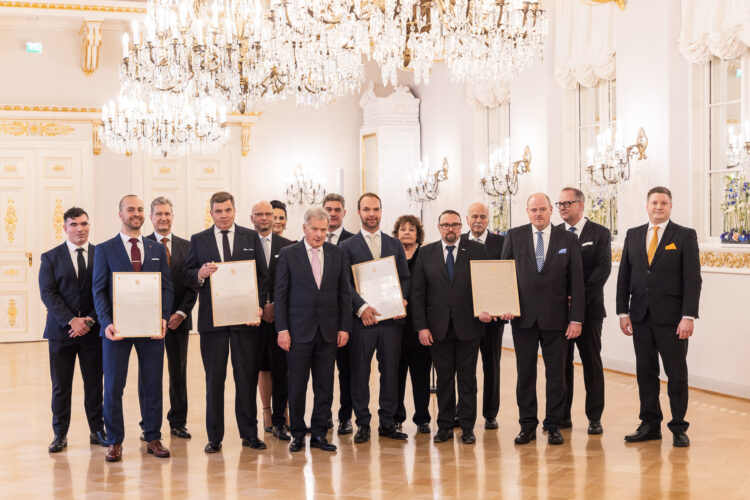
280 433
254 443
456 422
443 435
322 443
330 423
345 426
525 436
297 444
468 437
363 434
566 424
391 432
99 437
212 447
58 444
143 435
644 432
180 431
491 424
680 439
424 429
554 436
595 427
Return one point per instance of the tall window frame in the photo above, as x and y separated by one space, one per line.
497 123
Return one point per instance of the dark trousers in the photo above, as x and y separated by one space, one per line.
456 364
385 338
115 357
215 350
62 363
491 348
273 358
344 365
554 350
589 345
650 341
176 345
416 359
317 357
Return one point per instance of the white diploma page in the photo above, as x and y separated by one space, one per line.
378 284
136 304
234 293
494 287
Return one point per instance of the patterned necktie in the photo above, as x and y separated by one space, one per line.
225 245
652 246
135 255
450 262
164 242
81 267
330 236
315 263
539 251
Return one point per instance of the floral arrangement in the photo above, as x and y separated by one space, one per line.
602 209
735 208
500 214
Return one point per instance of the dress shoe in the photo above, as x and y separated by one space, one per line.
98 437
468 437
443 435
58 444
254 443
391 432
297 444
280 433
114 453
180 431
644 432
566 424
330 423
525 436
491 424
595 427
322 443
345 426
212 447
680 439
554 436
363 434
157 449
143 435
424 429
456 422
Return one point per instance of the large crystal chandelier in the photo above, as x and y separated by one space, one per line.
304 189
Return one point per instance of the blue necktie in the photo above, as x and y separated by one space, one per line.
572 229
539 251
450 263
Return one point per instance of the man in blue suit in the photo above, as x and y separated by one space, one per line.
313 316
369 333
71 329
129 251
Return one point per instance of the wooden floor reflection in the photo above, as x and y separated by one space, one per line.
585 466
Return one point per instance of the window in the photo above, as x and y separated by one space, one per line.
498 136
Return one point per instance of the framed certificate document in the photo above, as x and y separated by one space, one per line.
377 283
234 293
136 304
494 287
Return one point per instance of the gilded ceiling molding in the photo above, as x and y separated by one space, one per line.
49 109
619 3
92 7
91 39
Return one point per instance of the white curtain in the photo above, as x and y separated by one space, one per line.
714 28
487 95
584 43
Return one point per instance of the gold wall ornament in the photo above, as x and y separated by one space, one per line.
57 219
91 39
619 3
207 219
35 128
11 272
12 312
10 168
96 139
58 168
245 148
209 170
165 170
616 255
11 220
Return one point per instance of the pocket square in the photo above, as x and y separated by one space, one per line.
154 258
248 250
587 243
671 246
276 256
563 250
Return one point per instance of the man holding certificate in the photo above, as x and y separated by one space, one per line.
132 288
379 309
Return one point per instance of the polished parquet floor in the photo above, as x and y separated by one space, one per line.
715 466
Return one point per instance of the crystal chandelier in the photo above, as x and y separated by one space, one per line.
304 189
427 185
610 164
501 177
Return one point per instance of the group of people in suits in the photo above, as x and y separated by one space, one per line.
313 320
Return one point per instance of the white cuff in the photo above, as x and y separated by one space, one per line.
691 318
181 314
623 316
362 309
576 323
201 281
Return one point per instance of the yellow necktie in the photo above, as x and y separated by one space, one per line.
652 246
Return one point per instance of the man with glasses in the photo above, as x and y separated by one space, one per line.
596 255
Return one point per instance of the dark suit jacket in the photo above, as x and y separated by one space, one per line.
493 243
356 251
544 295
184 297
345 235
203 248
112 257
596 255
302 308
64 299
670 287
277 243
435 300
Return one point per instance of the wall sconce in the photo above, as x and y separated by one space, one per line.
611 162
304 189
501 178
427 186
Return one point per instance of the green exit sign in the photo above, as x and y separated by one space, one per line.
33 47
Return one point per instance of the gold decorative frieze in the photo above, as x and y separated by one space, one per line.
207 220
91 39
620 3
35 128
57 219
245 148
716 258
12 312
75 7
11 221
49 109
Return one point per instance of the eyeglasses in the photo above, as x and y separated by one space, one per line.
566 204
446 227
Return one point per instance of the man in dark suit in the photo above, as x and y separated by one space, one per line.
312 303
443 314
335 205
223 242
658 290
71 329
272 380
596 256
130 252
369 333
180 321
491 345
551 294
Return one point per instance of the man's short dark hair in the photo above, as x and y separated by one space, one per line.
278 204
369 195
221 197
74 212
334 197
659 189
449 212
577 192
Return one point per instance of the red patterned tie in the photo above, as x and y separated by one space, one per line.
135 255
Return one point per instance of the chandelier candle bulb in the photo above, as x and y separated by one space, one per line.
125 45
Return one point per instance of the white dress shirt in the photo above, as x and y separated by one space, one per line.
73 251
126 242
336 235
220 238
311 256
482 238
579 226
455 251
545 238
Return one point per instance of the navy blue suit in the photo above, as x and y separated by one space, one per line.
65 299
385 336
111 256
313 318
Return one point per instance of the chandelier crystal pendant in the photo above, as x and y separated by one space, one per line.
426 188
501 176
303 189
611 162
